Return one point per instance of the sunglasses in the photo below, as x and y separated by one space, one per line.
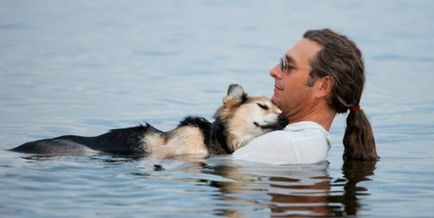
283 64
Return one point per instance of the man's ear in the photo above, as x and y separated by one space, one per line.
235 96
324 86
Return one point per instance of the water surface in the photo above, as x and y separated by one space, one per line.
86 67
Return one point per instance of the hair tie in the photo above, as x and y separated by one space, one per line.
355 108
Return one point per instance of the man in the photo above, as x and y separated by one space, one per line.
320 76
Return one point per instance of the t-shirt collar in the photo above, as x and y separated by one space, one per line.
305 125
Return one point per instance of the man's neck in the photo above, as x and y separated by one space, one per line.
320 114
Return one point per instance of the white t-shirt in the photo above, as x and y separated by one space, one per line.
303 142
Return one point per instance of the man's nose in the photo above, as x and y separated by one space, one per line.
275 72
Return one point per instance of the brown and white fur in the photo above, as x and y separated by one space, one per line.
237 121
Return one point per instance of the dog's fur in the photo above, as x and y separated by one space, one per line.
237 121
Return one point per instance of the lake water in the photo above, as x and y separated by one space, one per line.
84 67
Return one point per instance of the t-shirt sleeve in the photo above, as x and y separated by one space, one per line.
271 148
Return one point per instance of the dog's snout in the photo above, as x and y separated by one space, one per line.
283 120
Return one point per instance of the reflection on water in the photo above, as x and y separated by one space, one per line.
354 172
294 190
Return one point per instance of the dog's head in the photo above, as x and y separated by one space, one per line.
245 118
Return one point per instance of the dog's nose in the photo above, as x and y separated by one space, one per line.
283 120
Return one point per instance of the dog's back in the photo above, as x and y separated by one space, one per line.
127 140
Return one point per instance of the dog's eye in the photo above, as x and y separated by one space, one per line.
263 106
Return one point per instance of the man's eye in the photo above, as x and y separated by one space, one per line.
265 107
289 67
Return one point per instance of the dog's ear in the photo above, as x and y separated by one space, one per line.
235 96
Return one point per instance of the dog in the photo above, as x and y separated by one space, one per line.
240 119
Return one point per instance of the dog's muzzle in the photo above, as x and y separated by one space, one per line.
281 123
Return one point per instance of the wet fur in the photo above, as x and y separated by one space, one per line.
233 128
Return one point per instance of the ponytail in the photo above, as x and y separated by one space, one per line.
342 60
359 140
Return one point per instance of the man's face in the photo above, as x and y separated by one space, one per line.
291 92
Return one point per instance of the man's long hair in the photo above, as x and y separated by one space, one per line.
342 60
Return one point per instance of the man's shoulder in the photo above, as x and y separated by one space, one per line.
295 131
300 128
